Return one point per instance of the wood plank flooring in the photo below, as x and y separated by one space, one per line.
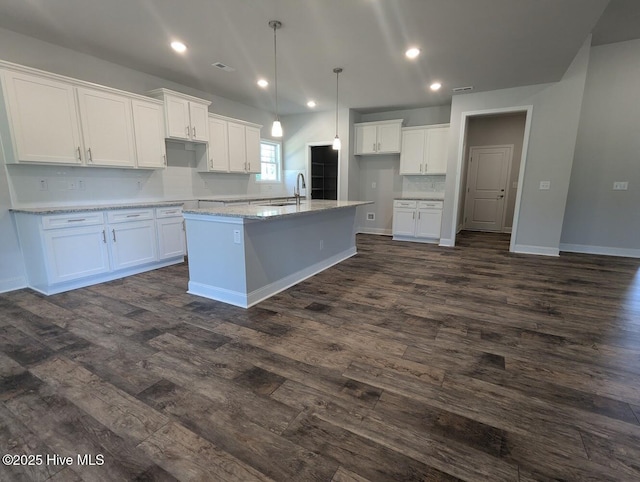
406 362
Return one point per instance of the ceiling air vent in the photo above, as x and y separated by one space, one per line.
457 90
224 67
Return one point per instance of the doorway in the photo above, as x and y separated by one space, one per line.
324 172
494 148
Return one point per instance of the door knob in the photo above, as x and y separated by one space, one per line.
500 196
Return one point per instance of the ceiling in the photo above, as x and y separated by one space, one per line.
487 44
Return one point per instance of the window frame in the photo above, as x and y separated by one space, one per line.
278 163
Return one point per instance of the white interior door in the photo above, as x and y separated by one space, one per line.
486 187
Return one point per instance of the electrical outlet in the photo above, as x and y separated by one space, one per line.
236 236
545 185
72 185
374 185
620 185
43 185
514 185
81 185
371 216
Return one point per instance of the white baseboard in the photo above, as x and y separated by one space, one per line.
12 284
413 239
539 250
447 242
601 250
460 228
247 300
102 278
379 231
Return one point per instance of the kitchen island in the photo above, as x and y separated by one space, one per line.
244 254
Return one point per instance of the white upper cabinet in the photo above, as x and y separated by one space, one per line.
218 145
424 150
252 146
186 117
234 146
42 118
382 137
107 128
50 119
148 128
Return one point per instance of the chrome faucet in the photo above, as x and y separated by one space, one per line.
296 191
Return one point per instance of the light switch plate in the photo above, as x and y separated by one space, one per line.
545 185
620 185
236 236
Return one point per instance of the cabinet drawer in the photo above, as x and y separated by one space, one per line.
404 204
430 205
169 212
129 215
72 220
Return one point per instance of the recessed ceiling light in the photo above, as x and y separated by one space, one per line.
412 53
263 83
178 47
311 103
435 86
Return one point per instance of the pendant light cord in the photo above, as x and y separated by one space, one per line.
337 71
276 26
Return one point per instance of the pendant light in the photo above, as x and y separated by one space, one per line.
336 141
276 128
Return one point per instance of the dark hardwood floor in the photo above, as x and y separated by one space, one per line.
406 362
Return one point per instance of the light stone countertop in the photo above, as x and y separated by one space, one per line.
433 197
248 197
100 207
257 212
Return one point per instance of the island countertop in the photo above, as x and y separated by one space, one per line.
258 212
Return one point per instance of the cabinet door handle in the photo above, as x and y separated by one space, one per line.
187 130
194 132
211 163
183 227
113 232
133 215
249 167
76 220
90 155
79 154
414 215
378 146
164 159
419 213
374 147
104 237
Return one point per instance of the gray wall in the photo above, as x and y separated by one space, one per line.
317 127
554 127
12 275
492 131
598 219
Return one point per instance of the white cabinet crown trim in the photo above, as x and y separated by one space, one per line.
4 65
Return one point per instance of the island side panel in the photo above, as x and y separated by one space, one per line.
286 250
217 267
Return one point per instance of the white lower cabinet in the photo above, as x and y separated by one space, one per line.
171 233
74 253
68 251
132 238
417 220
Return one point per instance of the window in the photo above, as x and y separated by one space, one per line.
270 161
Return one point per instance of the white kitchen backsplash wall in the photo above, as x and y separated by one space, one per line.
421 186
36 185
